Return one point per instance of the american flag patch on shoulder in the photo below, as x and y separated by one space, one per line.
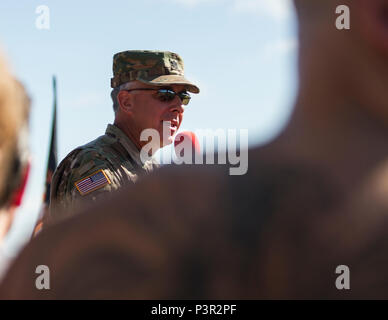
92 182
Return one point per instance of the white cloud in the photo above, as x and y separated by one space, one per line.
88 99
192 3
282 46
278 9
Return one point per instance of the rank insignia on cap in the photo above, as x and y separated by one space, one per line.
92 182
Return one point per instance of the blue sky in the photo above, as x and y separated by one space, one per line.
241 53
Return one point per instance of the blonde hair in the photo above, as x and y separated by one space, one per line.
14 111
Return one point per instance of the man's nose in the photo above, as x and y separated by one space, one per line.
177 106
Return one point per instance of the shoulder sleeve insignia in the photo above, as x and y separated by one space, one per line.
92 182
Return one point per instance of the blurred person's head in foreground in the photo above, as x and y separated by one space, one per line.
314 199
341 115
14 112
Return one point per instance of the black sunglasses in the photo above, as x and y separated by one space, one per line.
166 95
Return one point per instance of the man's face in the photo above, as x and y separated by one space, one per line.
147 112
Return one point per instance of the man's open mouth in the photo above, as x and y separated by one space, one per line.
173 124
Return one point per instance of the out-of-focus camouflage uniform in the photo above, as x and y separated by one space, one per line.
113 154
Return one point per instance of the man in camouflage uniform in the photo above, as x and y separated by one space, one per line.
149 89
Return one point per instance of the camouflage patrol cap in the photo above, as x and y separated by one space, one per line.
159 68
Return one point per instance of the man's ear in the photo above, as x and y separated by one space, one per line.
18 194
373 22
125 101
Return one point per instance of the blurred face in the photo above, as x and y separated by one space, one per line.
359 55
144 111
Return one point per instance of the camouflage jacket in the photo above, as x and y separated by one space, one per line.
92 170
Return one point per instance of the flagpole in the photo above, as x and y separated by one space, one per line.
53 158
51 164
